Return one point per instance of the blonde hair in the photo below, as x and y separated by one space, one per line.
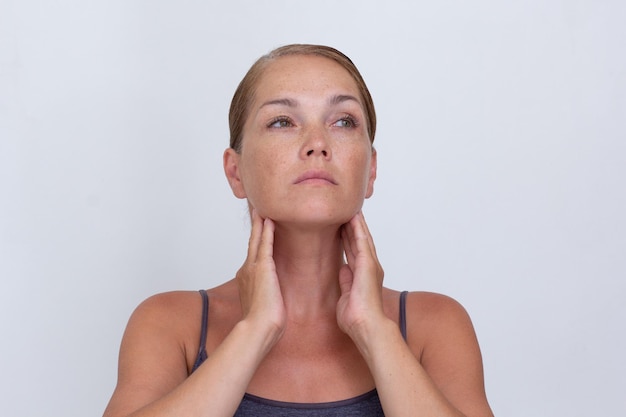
244 94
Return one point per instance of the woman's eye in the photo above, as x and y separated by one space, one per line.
346 122
280 122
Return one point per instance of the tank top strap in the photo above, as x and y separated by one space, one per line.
402 309
202 355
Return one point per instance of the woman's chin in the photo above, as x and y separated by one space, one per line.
313 220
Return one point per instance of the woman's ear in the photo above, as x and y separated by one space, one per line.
372 174
231 169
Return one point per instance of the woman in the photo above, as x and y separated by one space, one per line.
306 327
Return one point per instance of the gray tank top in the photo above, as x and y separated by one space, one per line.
364 405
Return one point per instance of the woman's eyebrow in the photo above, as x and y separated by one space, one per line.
340 98
288 102
280 102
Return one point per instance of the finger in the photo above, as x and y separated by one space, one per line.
351 240
360 236
366 230
371 246
347 247
255 235
266 246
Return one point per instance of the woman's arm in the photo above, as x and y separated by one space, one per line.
152 375
446 379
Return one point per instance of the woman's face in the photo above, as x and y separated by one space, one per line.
306 157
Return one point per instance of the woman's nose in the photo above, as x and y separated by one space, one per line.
316 143
310 152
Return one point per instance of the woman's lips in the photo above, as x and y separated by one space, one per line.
315 177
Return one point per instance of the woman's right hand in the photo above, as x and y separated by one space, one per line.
153 375
257 280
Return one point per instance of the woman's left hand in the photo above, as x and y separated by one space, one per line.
360 280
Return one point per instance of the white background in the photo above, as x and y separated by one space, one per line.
502 163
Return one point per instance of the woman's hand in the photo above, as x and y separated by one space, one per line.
257 280
360 280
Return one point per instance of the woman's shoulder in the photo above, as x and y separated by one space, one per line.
165 316
168 303
434 312
425 304
433 304
431 316
180 302
439 328
428 305
172 320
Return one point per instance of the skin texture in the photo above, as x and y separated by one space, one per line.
306 318
295 128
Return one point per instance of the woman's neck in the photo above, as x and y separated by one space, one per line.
308 263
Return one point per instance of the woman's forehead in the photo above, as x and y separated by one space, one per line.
305 74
